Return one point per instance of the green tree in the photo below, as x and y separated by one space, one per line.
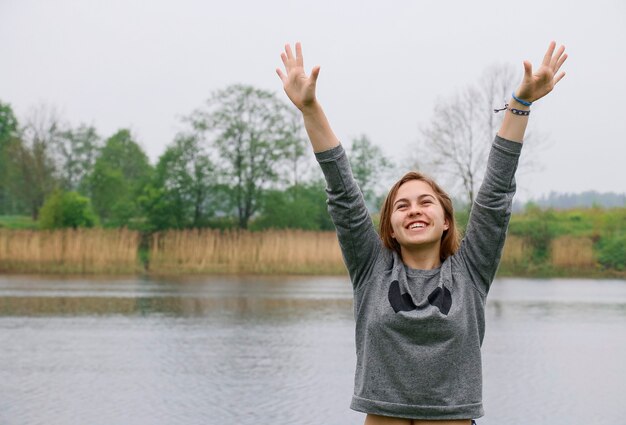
162 209
8 134
300 206
66 209
121 172
251 132
182 193
8 122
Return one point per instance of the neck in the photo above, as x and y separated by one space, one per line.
420 257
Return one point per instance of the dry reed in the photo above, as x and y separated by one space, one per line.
517 252
231 251
238 251
570 252
69 251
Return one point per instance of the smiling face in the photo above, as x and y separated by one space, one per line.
392 235
417 217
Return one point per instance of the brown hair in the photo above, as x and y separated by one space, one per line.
450 239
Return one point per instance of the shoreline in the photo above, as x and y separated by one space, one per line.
543 274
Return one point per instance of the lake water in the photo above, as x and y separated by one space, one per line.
264 350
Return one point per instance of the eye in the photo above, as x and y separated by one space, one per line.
427 201
400 206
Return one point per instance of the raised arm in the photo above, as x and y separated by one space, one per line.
533 87
359 242
300 89
484 239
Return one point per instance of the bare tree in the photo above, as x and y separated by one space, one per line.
75 151
32 157
297 157
456 142
369 165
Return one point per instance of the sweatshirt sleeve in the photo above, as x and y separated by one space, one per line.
359 242
482 245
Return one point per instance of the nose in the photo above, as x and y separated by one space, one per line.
414 209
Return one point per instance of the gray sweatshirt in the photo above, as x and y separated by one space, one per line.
419 332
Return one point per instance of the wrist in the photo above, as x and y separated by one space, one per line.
311 108
520 98
515 108
517 105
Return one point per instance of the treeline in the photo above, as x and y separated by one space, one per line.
586 199
241 162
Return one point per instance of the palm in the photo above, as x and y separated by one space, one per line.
536 85
543 80
299 87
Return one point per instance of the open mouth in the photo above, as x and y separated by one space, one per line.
416 225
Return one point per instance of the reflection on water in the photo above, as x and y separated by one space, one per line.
239 295
262 350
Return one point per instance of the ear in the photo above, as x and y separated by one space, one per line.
446 224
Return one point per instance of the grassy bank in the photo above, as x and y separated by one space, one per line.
17 222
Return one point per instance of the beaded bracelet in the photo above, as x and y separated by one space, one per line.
513 110
523 102
520 112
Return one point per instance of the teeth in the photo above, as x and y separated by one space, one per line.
416 225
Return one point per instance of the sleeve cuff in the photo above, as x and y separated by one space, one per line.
508 145
330 154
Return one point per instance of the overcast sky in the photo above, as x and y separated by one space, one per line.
144 64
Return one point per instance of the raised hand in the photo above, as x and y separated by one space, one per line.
536 85
299 88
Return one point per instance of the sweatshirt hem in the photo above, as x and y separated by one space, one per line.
411 411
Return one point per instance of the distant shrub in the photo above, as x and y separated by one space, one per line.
66 209
612 252
538 228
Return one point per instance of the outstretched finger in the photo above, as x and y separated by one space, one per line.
548 56
299 57
560 62
557 56
559 77
315 72
283 57
281 75
288 51
528 70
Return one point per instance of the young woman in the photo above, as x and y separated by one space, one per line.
419 293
